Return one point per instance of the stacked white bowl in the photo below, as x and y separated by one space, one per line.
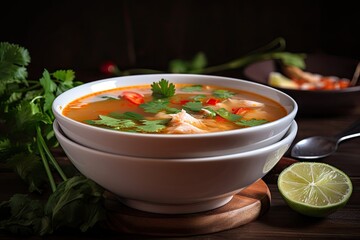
166 173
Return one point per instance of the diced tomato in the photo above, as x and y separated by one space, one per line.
329 84
183 102
241 110
212 101
133 97
344 83
220 119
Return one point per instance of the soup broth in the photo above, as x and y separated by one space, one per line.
166 108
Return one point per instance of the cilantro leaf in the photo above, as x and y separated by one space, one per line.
30 168
162 89
195 65
172 110
65 76
127 115
209 112
251 122
152 126
22 215
4 145
199 98
193 106
220 93
222 112
155 106
77 203
291 59
193 88
112 122
13 62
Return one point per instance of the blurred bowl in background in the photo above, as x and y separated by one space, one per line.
316 102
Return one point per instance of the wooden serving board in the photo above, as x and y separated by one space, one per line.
244 207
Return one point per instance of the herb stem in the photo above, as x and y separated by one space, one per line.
44 160
51 158
35 86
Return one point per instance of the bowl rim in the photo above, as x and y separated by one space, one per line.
290 134
290 115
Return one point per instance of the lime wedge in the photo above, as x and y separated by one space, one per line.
278 80
314 189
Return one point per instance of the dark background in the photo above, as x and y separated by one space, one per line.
81 35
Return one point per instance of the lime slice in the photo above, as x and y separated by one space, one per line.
314 189
278 80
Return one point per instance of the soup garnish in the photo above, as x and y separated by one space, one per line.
166 108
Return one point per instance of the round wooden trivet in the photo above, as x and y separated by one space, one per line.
244 207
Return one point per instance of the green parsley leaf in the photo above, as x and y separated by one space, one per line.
222 112
251 122
220 93
193 88
193 106
162 89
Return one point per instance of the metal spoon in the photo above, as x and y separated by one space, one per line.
355 76
322 146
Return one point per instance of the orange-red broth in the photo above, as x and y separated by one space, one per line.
111 101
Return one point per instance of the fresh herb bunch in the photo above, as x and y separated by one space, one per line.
26 138
199 63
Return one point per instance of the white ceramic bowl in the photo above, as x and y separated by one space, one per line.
173 186
171 145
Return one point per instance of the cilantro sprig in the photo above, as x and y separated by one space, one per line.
162 89
158 105
26 139
131 122
221 93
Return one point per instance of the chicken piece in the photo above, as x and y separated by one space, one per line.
184 128
258 114
183 122
232 103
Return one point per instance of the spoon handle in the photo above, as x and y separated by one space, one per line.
352 131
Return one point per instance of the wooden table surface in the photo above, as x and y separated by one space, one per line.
279 222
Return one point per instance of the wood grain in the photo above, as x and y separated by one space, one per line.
244 207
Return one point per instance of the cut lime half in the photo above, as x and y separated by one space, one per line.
314 189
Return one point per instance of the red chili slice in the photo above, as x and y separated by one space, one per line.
212 101
133 97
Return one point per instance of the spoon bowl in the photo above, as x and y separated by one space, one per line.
323 146
315 147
